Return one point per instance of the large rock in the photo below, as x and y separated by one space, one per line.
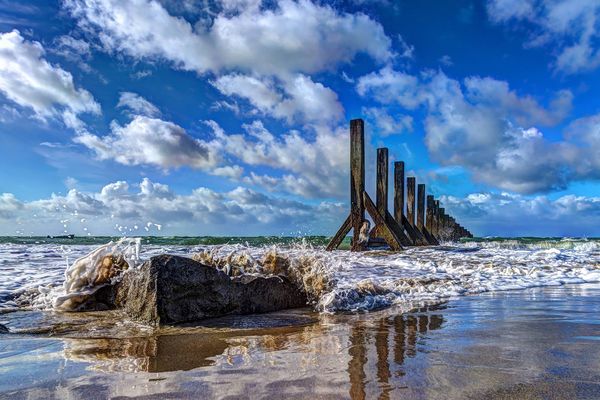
170 289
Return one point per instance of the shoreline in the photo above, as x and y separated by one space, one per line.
537 342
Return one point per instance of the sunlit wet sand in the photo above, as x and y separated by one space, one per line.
533 343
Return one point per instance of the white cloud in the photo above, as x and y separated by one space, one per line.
123 208
390 86
406 50
293 36
310 168
30 81
387 124
446 60
151 141
9 205
233 172
514 215
299 98
570 26
136 104
483 126
75 50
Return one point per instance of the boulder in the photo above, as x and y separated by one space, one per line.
170 289
3 329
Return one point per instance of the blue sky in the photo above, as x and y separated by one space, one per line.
230 117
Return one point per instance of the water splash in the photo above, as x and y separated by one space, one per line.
334 281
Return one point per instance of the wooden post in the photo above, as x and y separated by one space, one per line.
422 224
442 224
436 219
357 187
381 198
399 191
429 216
410 200
421 207
357 178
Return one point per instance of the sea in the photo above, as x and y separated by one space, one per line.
483 318
35 272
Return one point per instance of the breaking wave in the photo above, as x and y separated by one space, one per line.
337 281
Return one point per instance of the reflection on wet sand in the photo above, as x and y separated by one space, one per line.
539 343
175 352
405 332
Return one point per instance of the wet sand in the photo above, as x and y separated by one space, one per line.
540 343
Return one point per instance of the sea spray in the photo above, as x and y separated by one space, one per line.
334 281
91 272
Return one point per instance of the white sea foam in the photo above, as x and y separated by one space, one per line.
34 275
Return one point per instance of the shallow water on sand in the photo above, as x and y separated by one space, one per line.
532 343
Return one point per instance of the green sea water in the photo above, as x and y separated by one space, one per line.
317 241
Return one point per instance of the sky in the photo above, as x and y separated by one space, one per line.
230 117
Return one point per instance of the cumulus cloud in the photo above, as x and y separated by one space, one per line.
152 141
30 81
388 86
140 208
387 124
484 126
291 36
299 98
9 205
504 213
75 50
570 26
138 105
310 168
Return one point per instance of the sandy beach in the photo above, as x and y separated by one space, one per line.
533 343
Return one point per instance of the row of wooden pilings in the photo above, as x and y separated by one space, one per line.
424 223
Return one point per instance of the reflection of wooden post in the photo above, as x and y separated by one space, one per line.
399 339
357 178
399 191
383 365
381 198
421 206
356 366
410 200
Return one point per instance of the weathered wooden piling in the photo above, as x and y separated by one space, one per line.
382 203
437 219
421 207
396 230
360 200
381 197
399 191
421 221
410 199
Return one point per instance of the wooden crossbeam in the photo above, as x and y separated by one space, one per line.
385 231
381 200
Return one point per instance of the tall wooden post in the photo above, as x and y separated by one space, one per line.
357 178
421 207
399 191
442 223
436 218
429 216
382 181
410 200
